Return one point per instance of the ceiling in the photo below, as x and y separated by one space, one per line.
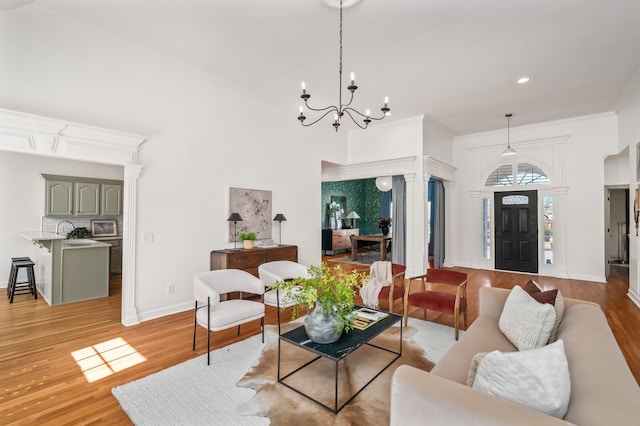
456 61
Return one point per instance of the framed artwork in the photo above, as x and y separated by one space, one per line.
254 205
104 228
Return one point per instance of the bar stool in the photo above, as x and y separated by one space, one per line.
23 287
12 272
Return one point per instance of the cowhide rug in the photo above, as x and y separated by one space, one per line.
285 407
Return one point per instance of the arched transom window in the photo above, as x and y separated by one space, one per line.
526 174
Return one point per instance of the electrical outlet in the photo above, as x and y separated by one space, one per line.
170 289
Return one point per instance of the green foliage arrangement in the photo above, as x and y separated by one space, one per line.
330 288
79 233
247 236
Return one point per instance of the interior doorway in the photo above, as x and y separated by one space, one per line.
617 230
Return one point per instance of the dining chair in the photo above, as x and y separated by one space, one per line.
277 271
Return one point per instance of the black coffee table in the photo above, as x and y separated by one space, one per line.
340 350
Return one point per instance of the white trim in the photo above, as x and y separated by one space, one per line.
167 310
332 172
436 168
37 135
628 92
634 298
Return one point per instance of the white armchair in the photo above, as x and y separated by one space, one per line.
280 270
222 314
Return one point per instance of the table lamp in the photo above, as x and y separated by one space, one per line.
235 218
280 218
353 216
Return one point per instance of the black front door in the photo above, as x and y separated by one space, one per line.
516 216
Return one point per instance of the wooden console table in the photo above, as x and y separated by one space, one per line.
379 238
249 260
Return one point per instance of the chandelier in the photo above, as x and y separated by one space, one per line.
339 111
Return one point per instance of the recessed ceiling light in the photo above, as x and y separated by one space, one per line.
345 3
523 80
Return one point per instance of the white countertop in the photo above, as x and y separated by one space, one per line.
41 235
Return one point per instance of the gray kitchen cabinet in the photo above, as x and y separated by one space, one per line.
81 196
111 199
115 256
87 199
59 198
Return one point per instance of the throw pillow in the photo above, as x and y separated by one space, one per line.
541 296
524 321
559 306
536 292
473 368
538 379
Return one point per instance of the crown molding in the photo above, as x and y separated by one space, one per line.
33 134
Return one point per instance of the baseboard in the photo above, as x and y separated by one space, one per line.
162 312
594 278
634 298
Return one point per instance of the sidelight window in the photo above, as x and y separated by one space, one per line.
486 228
547 201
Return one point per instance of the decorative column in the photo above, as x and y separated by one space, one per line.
414 249
129 312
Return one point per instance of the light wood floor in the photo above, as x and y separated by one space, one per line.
41 383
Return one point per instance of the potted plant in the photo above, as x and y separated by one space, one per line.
78 233
329 294
384 224
248 239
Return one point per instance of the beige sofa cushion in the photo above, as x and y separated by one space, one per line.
481 336
600 376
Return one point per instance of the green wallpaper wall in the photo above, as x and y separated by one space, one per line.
362 197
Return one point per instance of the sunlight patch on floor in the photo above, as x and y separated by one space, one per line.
103 359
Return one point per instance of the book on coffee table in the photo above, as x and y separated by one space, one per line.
365 318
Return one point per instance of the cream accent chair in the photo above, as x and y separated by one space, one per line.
277 271
216 314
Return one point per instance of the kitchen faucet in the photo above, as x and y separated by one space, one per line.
61 222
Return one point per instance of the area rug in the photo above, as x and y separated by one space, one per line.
192 393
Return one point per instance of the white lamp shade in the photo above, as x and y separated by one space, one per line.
383 183
353 215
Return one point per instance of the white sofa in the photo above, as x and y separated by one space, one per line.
603 390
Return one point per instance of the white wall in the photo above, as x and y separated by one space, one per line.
629 133
572 153
399 139
616 169
204 136
437 142
22 195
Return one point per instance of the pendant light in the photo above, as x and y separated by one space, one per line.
508 150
